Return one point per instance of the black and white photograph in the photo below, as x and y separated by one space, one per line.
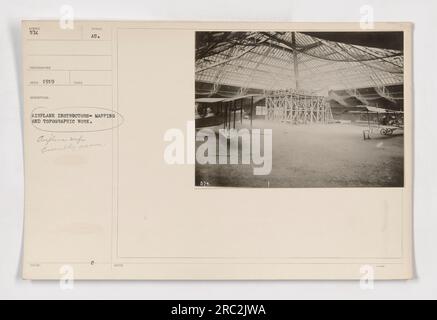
294 109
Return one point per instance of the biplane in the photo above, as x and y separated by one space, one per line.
382 121
225 111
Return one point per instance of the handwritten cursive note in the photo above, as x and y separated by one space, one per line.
55 143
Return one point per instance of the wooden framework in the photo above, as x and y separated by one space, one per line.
297 108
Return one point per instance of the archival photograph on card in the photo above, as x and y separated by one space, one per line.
300 109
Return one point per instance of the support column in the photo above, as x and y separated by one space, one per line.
235 110
295 62
251 112
225 115
241 111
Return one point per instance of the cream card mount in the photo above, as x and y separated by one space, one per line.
217 150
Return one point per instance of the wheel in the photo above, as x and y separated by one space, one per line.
202 111
217 112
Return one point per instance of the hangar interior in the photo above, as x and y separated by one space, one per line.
334 101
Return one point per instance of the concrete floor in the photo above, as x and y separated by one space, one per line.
311 156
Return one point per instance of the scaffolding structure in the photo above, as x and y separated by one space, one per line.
294 107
